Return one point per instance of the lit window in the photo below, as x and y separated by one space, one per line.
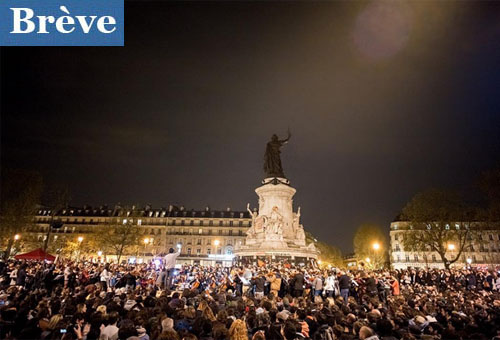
200 231
139 222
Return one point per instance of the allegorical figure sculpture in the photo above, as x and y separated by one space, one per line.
272 159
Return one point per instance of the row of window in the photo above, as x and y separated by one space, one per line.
482 248
474 258
199 242
485 237
171 222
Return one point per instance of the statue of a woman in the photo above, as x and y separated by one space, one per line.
272 159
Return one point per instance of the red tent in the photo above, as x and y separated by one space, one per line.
37 254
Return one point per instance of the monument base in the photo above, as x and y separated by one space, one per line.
276 233
294 255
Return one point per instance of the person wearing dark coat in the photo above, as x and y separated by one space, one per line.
21 276
298 285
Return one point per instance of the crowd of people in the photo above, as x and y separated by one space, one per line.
83 300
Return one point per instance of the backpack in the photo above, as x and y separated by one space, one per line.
324 333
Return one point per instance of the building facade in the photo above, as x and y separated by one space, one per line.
483 250
207 236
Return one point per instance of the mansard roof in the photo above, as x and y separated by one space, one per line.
147 211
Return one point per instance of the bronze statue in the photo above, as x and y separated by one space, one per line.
272 159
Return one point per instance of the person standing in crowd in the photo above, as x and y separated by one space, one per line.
258 283
298 284
344 285
169 264
275 281
105 277
330 285
317 285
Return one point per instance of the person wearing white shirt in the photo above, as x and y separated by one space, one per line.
105 277
169 263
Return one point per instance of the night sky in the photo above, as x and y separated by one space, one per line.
383 100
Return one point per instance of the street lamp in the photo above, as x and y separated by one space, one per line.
451 246
469 260
80 240
99 253
216 244
367 260
376 246
146 241
17 237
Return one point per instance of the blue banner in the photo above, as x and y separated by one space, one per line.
61 23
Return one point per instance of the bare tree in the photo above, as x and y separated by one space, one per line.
121 235
20 198
441 222
56 198
370 245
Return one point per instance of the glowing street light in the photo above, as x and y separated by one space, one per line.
17 237
99 253
376 246
80 239
216 244
146 241
469 260
451 246
367 260
320 262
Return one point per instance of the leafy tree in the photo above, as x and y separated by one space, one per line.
441 222
370 245
20 198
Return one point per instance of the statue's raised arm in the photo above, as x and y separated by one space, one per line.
284 141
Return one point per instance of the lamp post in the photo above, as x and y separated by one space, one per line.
17 237
146 242
376 247
80 240
216 244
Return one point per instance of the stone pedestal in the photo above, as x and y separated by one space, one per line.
276 232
